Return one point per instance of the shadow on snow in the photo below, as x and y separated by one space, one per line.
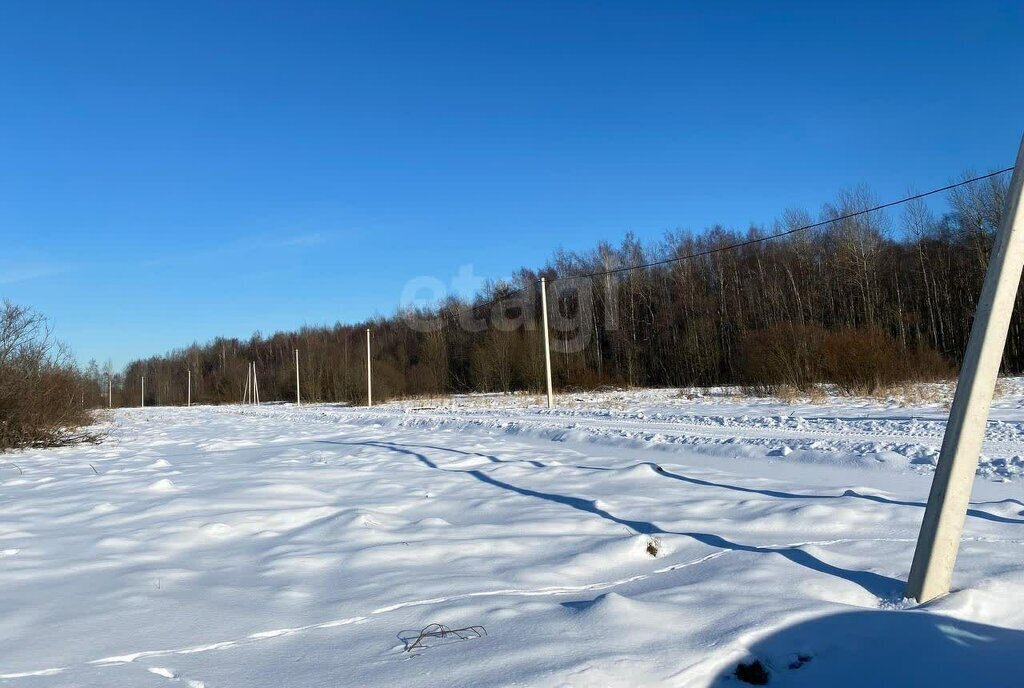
886 648
881 586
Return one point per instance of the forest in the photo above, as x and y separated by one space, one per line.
864 303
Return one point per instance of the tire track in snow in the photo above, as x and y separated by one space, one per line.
1001 456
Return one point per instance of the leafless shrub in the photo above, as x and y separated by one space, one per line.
785 355
791 361
41 393
867 361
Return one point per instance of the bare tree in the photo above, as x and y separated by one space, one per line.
42 394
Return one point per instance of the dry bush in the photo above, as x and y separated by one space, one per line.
779 357
41 393
790 361
817 394
788 394
921 394
869 361
573 375
1001 389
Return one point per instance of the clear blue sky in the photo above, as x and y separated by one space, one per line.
173 171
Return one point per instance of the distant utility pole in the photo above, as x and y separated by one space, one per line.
255 386
189 402
369 371
937 545
298 396
143 391
110 392
547 341
248 384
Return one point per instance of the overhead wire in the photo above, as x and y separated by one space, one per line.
739 244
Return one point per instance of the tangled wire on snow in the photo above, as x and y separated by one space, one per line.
416 640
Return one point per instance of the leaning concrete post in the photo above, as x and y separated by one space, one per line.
937 545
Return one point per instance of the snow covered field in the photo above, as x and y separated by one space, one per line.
625 539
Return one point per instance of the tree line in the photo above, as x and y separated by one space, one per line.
863 302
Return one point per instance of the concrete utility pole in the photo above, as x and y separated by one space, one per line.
937 545
547 341
369 371
110 392
255 386
298 397
189 402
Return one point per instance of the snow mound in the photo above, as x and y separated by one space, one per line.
298 554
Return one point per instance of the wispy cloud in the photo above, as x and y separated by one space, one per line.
9 274
13 270
310 239
254 243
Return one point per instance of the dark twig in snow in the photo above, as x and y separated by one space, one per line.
443 632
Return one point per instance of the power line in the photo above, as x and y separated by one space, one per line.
778 235
739 244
